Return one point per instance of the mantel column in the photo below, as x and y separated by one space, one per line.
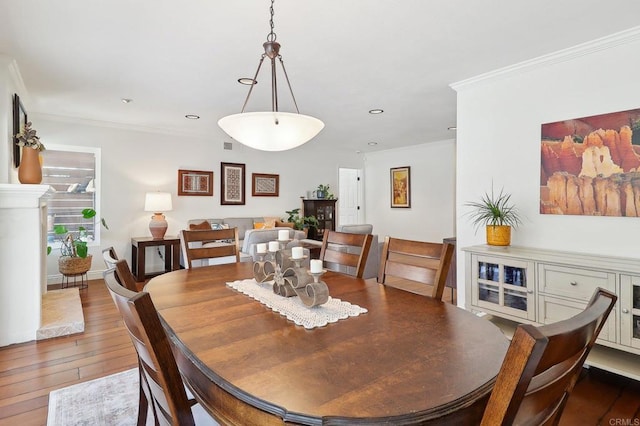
23 250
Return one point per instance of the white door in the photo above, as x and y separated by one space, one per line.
350 199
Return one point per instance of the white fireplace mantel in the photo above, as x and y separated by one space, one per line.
23 232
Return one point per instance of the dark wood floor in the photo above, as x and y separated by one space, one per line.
29 371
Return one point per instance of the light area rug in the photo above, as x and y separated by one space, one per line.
107 401
110 400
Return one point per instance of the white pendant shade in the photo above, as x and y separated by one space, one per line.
272 130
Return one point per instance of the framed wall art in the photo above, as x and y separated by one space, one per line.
19 121
264 185
232 184
401 187
589 165
195 182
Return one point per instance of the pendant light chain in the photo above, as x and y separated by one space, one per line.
272 35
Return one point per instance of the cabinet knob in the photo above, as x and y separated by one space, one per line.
625 311
574 283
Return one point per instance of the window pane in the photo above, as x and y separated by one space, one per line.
72 174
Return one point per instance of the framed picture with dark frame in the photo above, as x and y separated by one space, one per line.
19 121
265 185
401 187
195 182
232 184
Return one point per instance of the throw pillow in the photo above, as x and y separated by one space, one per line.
203 226
268 224
280 224
258 225
219 226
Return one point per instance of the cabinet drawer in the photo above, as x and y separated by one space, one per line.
553 310
577 283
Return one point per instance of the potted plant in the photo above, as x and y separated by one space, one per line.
75 258
323 192
301 223
30 170
498 214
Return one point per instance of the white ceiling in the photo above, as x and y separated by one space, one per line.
78 58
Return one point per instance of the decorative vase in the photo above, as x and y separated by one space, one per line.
498 235
320 195
69 265
30 170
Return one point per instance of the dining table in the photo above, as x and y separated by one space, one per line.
405 359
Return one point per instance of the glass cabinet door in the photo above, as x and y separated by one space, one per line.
630 310
502 284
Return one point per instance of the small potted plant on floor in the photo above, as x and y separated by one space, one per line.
498 214
75 258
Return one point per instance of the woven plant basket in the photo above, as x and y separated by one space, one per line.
68 265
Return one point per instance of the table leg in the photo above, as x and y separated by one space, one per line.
167 256
175 252
134 260
142 253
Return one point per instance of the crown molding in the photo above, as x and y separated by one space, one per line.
16 79
607 42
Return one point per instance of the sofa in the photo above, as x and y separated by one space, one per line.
248 235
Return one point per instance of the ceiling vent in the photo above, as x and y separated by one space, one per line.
228 145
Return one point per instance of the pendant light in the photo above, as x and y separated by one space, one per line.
271 130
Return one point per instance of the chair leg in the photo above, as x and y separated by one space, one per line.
143 403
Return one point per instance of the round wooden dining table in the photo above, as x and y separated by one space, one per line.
408 360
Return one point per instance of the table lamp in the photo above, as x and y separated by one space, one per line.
158 202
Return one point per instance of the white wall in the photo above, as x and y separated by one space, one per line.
499 119
134 162
10 83
432 213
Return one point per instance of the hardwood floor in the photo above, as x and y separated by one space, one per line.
29 371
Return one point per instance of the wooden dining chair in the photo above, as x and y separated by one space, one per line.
424 262
123 274
162 392
110 257
341 250
208 244
542 366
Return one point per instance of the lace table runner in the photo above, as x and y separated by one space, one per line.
293 308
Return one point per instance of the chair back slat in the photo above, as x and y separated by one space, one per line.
160 379
124 275
224 243
345 249
542 366
420 261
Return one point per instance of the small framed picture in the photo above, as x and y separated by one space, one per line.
195 182
264 185
401 187
19 121
232 184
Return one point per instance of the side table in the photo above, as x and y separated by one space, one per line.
138 255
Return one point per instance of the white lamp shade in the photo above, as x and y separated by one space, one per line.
157 202
259 130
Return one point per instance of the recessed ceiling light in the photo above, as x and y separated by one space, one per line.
126 100
376 111
372 143
247 81
452 128
192 117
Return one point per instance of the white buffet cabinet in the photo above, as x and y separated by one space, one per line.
519 284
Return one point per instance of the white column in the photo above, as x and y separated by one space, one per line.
23 248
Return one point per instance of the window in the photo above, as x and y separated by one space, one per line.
74 173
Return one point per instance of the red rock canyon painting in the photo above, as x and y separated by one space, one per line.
591 165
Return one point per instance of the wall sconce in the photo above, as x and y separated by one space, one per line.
158 202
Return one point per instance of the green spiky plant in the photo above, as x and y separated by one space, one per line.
494 210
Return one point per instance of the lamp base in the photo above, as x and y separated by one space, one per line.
158 226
